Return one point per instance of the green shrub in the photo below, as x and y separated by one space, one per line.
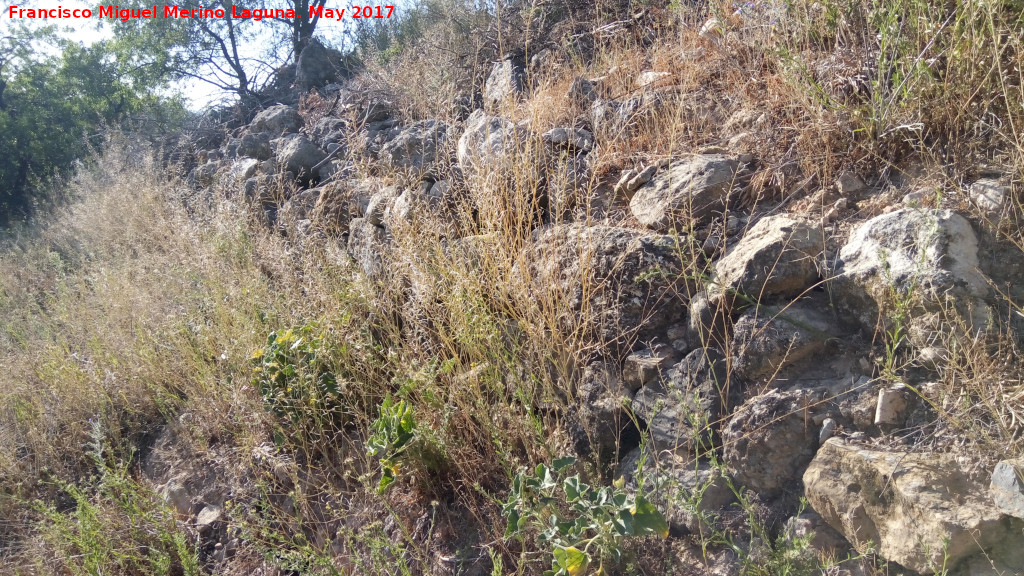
293 375
581 523
393 430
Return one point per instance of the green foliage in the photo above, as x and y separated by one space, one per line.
56 96
579 522
393 429
117 527
293 375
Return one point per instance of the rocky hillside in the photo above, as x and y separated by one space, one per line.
621 289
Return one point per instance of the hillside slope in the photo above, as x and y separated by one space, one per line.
622 289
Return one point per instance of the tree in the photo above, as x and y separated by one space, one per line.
236 55
217 51
54 104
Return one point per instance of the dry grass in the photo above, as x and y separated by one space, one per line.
140 306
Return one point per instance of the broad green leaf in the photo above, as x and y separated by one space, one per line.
513 523
562 463
623 523
573 561
647 519
572 488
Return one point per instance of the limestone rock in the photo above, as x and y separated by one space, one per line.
507 79
277 120
770 439
776 258
1008 487
297 153
628 282
693 189
928 255
680 406
415 147
920 510
769 338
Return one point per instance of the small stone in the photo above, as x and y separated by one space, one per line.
989 195
1008 487
640 179
891 405
828 428
849 183
643 366
207 517
620 186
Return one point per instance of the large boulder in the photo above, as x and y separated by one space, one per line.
616 284
690 191
771 438
769 338
255 145
685 402
921 510
298 154
503 165
415 147
318 66
507 79
277 120
926 258
776 258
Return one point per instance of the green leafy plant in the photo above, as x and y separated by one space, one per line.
580 522
115 524
292 374
393 430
